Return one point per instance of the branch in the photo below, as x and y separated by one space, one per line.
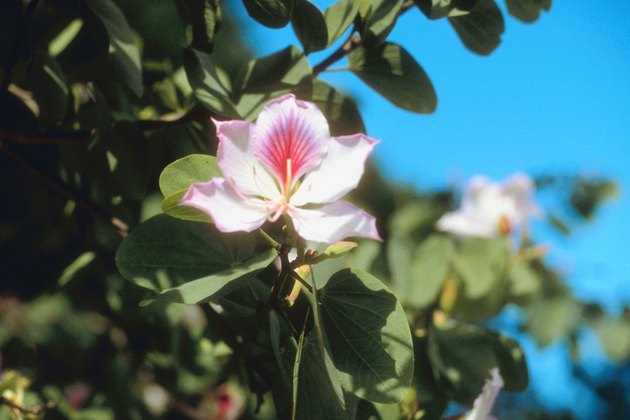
46 137
352 43
65 190
35 411
195 114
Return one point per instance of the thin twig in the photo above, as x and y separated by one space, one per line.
352 43
45 137
65 190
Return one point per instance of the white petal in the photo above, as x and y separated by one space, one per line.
485 401
291 137
237 161
230 211
462 223
338 173
333 222
520 188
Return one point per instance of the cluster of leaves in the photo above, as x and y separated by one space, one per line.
93 111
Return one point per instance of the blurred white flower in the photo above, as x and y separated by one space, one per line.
490 209
484 402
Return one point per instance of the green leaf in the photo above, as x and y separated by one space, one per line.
339 16
481 29
123 51
210 84
272 76
380 21
341 111
217 285
429 268
552 319
271 13
316 398
164 252
178 176
203 18
72 270
524 281
463 355
440 9
182 173
480 263
614 335
65 37
392 72
369 336
527 10
309 26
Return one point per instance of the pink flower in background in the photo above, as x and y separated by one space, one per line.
484 402
490 209
286 163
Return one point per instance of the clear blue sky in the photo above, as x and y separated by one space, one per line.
555 96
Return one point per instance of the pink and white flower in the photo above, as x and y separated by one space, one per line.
485 401
286 163
490 209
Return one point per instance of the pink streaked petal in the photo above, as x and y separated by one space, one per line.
230 211
237 161
333 222
338 173
288 128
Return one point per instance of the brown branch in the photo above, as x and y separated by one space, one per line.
45 137
65 190
352 43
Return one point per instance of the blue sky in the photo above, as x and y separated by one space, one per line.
554 97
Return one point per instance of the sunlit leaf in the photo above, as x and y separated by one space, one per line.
209 83
204 20
124 52
430 266
440 9
271 13
550 319
380 21
392 71
480 263
339 16
369 336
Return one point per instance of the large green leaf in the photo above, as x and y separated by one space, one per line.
430 267
481 29
439 9
123 51
217 285
339 16
203 19
164 252
341 111
271 13
527 10
211 86
391 71
462 356
309 26
369 336
524 281
179 175
552 319
481 265
268 77
380 21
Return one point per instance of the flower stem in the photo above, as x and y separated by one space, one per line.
274 244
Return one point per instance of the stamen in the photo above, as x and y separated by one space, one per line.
288 180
